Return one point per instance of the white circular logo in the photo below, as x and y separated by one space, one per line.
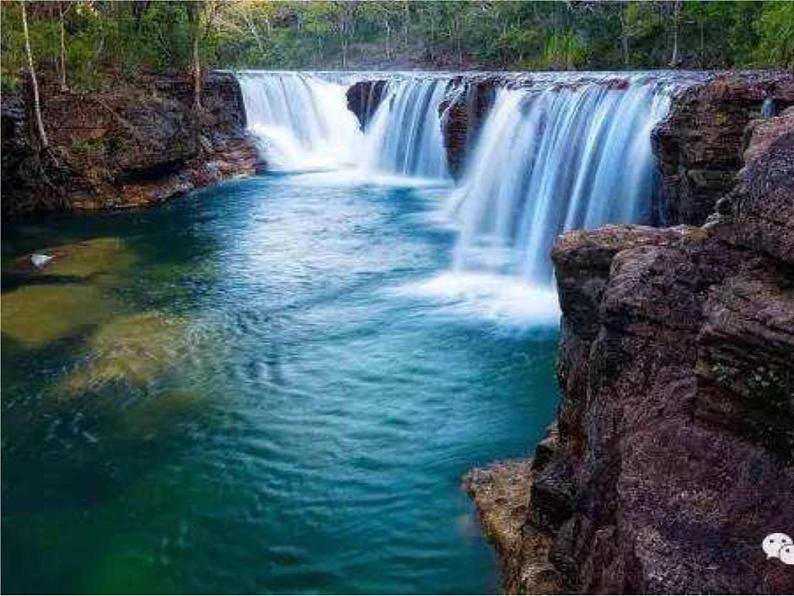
779 546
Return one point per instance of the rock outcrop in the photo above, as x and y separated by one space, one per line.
127 147
462 114
700 143
363 98
673 453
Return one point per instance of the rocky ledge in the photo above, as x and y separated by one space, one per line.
673 452
128 147
700 143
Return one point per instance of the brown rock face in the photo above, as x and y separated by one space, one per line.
674 454
462 115
128 147
700 144
363 98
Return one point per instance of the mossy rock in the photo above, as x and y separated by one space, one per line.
91 257
35 315
131 350
81 261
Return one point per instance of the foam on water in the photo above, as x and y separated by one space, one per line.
481 295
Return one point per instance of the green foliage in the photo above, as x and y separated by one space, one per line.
105 39
775 28
563 51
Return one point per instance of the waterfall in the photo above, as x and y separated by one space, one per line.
404 135
301 120
570 154
556 152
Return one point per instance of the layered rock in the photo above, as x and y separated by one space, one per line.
700 144
127 147
673 455
462 114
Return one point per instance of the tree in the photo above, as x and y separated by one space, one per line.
776 30
33 81
201 15
676 23
63 8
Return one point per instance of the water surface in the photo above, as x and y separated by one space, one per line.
240 391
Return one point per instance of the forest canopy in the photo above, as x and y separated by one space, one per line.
86 41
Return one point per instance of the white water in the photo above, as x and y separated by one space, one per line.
404 135
551 160
565 151
301 121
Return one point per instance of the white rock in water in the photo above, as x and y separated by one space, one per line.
39 260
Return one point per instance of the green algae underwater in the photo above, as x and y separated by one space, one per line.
234 393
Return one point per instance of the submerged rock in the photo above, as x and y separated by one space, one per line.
89 260
156 413
131 349
100 256
36 315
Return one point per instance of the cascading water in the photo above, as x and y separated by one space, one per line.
404 135
301 120
558 151
575 154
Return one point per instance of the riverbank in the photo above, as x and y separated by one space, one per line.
131 146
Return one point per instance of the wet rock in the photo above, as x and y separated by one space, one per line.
363 99
501 493
36 315
700 143
95 260
462 114
131 350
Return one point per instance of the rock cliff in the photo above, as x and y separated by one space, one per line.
700 143
673 453
127 147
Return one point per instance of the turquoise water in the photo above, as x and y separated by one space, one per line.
241 391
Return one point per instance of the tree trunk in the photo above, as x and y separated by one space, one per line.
63 47
624 40
676 16
388 38
33 81
249 22
196 73
702 45
406 17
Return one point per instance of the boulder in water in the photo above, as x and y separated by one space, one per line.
35 315
131 349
